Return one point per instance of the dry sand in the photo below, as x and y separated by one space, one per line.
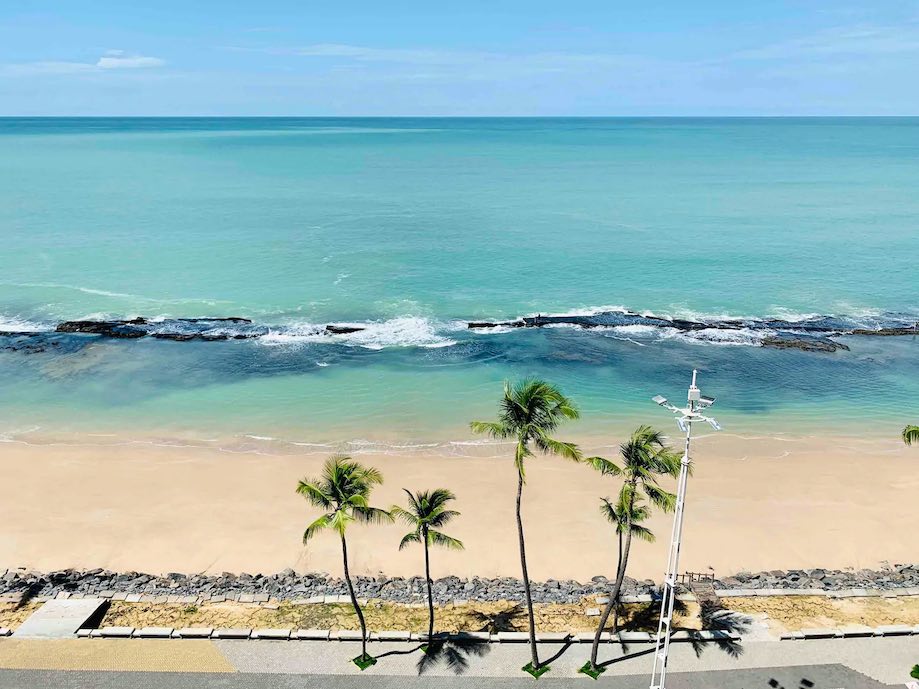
794 613
499 616
754 503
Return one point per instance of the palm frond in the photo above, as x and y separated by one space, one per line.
660 497
911 434
604 466
344 488
404 515
643 533
521 452
372 515
443 540
557 447
442 518
312 491
608 510
495 429
408 539
324 522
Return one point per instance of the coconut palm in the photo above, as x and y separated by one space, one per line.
911 435
626 513
343 491
645 457
427 512
530 411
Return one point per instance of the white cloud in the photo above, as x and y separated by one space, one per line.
113 59
860 40
118 59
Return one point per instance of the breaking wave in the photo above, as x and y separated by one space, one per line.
814 332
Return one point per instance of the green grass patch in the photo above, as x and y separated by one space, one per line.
585 669
537 672
364 661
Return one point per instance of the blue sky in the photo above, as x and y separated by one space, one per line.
571 57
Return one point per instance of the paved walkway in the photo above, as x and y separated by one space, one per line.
825 677
829 664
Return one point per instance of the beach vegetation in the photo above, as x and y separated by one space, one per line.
343 491
530 412
427 513
645 458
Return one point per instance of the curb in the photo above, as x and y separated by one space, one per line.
852 632
225 634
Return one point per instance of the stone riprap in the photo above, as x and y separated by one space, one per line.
894 577
288 585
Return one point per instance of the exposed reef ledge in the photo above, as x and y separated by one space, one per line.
813 334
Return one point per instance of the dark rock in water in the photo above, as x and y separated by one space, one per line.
228 319
177 337
119 329
489 324
805 344
343 329
887 332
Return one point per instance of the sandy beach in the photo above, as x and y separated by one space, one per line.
754 504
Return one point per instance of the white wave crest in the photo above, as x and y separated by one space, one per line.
406 331
17 324
583 311
743 337
409 331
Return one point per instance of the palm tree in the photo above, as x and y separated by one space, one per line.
343 491
529 412
645 456
911 435
427 512
626 513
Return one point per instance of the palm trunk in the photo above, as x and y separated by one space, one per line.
427 581
526 577
618 567
357 608
620 575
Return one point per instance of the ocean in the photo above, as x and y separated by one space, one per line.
409 229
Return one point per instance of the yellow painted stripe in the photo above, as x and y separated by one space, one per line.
147 655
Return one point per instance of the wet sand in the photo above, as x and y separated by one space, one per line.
753 504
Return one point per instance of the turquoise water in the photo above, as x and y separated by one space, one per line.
411 226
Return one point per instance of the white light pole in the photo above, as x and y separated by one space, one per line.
687 415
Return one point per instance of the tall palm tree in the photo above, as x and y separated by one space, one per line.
911 435
626 513
427 512
645 457
343 490
530 411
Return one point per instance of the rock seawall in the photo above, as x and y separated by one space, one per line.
290 585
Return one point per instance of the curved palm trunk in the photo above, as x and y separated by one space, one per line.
526 577
427 581
618 567
614 594
357 608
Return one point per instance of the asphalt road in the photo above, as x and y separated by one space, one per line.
803 677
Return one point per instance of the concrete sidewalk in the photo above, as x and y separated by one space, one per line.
869 663
823 677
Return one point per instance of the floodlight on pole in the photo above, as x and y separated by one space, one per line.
686 417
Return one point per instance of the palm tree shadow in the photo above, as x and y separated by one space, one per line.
714 618
455 651
400 653
28 593
501 621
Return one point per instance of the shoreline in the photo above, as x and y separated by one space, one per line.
754 504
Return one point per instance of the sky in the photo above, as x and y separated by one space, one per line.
497 58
